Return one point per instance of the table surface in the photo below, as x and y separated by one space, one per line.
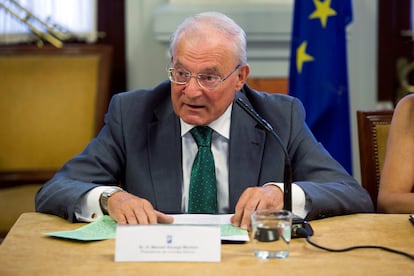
28 251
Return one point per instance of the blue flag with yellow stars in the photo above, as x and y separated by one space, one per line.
318 72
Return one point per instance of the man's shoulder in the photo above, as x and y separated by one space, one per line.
161 90
262 98
142 101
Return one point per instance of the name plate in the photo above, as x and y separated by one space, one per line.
167 243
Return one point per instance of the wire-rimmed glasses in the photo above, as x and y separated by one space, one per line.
208 81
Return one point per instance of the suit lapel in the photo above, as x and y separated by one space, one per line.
165 161
245 154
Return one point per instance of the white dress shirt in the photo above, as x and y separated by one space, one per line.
219 148
88 208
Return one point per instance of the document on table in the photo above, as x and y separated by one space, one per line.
105 228
227 230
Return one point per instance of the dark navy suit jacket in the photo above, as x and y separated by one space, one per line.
140 148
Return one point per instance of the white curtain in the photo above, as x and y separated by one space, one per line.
76 16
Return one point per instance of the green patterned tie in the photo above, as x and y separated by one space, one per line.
203 190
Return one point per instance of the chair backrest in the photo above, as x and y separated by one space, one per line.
373 128
52 103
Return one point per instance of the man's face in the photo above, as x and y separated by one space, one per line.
211 55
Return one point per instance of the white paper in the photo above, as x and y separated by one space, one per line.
229 232
200 219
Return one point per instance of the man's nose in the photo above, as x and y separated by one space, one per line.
193 88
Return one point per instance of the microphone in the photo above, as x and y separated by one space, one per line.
297 223
287 173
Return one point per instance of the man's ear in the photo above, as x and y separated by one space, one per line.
244 72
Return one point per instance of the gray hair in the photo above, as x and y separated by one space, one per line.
221 23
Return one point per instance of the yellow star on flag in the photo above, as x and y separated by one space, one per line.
322 11
302 56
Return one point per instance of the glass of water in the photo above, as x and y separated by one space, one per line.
271 233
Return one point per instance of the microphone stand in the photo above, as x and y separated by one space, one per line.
298 222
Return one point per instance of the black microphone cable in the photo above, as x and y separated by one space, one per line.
303 229
287 174
337 250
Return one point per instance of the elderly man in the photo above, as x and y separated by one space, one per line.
147 161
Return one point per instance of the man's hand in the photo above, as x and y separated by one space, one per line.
127 208
256 198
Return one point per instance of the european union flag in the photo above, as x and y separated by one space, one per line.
318 72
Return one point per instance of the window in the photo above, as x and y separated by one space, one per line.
79 17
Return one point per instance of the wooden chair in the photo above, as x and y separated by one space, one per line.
373 127
52 103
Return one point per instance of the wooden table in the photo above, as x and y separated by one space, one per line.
27 251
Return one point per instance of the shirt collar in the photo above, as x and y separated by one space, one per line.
221 125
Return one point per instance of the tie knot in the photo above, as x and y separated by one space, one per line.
202 135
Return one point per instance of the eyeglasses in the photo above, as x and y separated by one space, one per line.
208 81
